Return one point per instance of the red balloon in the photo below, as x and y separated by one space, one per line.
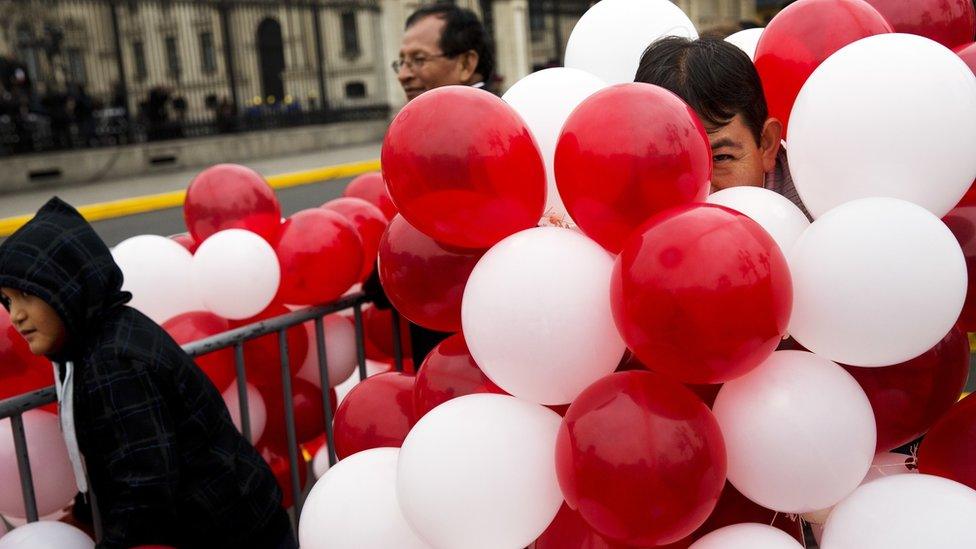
307 408
185 240
378 328
962 222
968 54
641 458
228 196
371 188
281 468
377 413
196 325
262 356
463 167
800 38
449 372
627 153
734 508
370 223
949 448
701 293
949 22
423 278
321 257
569 531
909 397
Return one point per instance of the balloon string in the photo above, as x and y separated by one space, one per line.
912 461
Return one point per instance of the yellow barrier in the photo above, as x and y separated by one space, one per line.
174 199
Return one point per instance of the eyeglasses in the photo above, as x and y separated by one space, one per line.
414 62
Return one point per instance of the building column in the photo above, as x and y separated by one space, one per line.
511 21
393 14
747 11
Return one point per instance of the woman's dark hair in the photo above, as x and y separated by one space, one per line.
463 31
715 77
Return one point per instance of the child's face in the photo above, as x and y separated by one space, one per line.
35 320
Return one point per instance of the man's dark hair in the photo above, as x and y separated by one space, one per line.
463 31
715 77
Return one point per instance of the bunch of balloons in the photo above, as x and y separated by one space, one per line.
240 262
637 363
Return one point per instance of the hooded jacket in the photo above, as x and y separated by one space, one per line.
163 459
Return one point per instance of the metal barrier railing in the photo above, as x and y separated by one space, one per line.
15 407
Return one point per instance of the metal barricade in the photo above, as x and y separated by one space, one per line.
15 407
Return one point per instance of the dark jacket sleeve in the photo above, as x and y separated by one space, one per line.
132 438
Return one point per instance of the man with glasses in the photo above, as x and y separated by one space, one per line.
443 45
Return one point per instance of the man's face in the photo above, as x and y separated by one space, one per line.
35 320
424 65
737 160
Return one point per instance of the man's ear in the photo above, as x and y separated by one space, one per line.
469 64
769 143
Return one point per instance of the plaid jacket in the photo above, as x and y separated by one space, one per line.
781 181
164 461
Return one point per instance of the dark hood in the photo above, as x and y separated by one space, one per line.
58 257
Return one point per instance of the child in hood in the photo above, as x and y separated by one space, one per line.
149 436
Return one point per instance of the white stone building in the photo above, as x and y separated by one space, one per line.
277 54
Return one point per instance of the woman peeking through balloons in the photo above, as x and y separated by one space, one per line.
719 81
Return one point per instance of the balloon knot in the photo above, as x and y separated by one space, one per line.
552 218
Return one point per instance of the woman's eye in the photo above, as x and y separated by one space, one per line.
722 158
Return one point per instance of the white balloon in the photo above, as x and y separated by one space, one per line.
256 410
54 478
611 37
236 273
354 506
748 535
536 315
781 218
157 272
876 282
545 100
320 463
746 40
904 512
799 432
46 534
889 115
478 472
340 351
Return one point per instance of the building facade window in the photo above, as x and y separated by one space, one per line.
76 66
139 57
537 20
355 90
208 57
173 65
29 51
350 34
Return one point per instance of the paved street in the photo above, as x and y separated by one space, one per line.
166 222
